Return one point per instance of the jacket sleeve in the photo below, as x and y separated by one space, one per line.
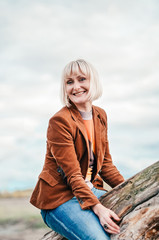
61 143
109 172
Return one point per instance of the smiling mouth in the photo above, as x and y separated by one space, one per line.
79 93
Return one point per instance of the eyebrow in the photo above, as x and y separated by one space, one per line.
79 76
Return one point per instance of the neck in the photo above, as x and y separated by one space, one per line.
85 108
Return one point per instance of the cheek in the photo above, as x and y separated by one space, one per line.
88 85
67 90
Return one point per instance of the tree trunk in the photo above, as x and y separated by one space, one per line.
136 202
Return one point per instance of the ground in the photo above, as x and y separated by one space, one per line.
19 220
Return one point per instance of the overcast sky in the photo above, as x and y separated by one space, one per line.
38 38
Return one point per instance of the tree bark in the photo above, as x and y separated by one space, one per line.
136 202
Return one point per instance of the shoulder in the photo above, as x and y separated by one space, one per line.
62 115
60 125
101 112
62 122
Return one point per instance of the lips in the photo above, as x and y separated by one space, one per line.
79 93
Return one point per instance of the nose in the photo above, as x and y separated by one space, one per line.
76 85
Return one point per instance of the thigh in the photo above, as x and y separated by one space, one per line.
74 223
97 192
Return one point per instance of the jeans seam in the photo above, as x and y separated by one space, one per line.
44 216
62 224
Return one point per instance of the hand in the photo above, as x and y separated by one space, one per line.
105 217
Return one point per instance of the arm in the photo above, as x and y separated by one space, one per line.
111 175
109 172
61 144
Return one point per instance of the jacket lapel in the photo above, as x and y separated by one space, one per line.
80 124
98 128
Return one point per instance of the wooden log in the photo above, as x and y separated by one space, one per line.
136 201
134 191
52 236
141 223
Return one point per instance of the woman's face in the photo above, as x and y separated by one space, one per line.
77 88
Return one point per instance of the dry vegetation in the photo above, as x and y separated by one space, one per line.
19 220
16 194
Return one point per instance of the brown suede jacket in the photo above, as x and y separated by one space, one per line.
67 160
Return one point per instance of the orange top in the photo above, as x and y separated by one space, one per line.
90 133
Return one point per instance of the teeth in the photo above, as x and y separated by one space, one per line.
78 93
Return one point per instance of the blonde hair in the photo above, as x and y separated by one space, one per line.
77 67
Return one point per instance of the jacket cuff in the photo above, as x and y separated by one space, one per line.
87 204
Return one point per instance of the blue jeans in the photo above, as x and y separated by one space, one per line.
74 223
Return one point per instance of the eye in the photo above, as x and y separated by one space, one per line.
82 79
69 81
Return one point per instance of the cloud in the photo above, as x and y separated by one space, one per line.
37 40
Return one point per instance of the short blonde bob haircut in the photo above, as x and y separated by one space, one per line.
81 66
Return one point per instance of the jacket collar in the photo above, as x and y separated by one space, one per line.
77 116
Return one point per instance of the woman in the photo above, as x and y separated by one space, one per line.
77 157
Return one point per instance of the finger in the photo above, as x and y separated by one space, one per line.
115 216
112 224
109 228
112 232
106 225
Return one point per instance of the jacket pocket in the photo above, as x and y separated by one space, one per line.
47 177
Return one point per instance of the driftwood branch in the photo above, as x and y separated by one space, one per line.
136 201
